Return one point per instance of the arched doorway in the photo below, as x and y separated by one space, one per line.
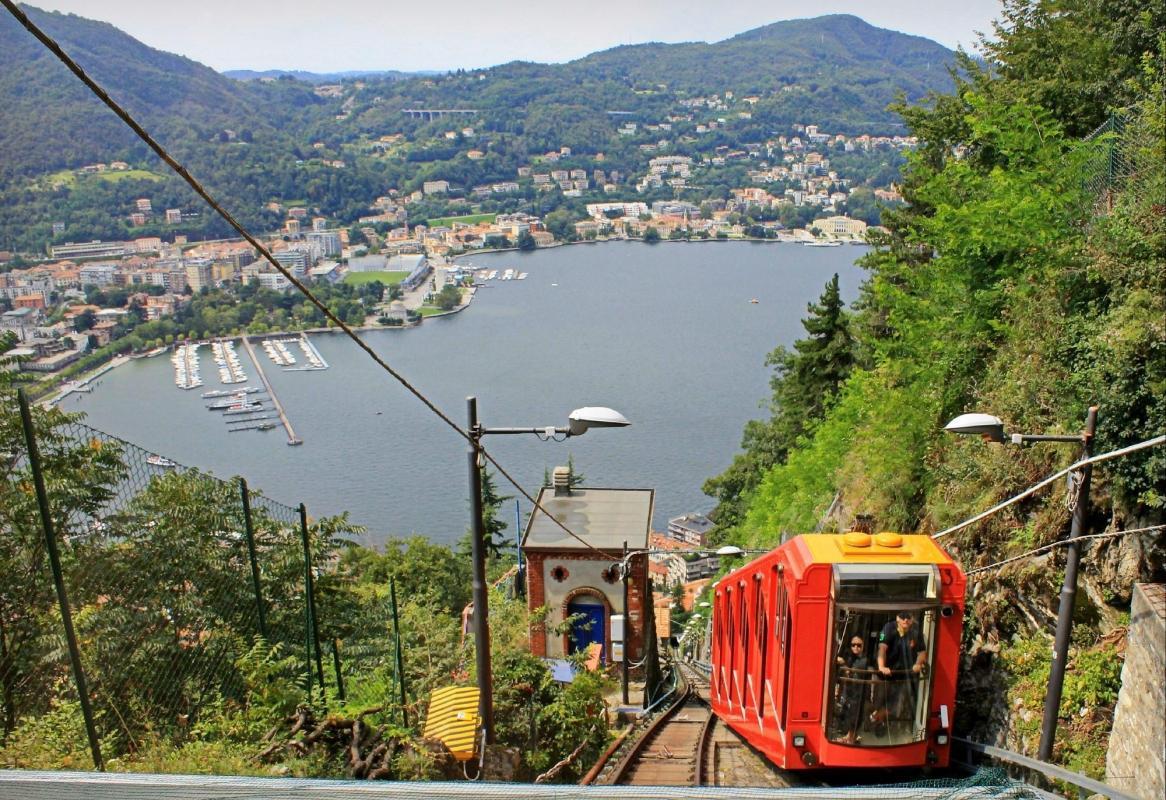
588 615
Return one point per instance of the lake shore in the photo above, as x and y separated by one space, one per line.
84 379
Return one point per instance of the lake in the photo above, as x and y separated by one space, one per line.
666 334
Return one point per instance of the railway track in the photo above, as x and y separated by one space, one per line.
686 745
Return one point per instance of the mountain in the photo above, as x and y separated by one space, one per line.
51 120
258 141
833 49
837 71
322 77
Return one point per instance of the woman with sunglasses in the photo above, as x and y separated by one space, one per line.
853 674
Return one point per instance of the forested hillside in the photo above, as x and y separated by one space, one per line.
291 142
1027 279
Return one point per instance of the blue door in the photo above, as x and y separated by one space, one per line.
588 627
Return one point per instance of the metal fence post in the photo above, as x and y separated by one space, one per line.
313 630
255 582
336 667
627 624
397 647
42 500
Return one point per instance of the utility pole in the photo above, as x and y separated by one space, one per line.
1068 595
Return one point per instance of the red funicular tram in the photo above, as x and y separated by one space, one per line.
841 650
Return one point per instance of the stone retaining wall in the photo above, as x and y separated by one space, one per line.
1136 760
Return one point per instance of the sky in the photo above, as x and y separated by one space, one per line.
341 35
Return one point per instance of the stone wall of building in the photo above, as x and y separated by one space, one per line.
1136 761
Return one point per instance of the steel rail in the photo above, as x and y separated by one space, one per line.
683 691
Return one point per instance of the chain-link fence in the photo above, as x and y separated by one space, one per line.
1110 161
134 586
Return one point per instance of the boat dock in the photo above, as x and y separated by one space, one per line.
253 426
315 360
292 439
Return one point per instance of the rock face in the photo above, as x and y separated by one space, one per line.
1136 760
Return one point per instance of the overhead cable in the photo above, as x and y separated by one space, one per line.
1063 542
1157 440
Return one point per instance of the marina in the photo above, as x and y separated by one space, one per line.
281 355
230 368
292 439
186 367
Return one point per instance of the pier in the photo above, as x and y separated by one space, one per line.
292 439
311 354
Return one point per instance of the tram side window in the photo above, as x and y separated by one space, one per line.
763 644
880 675
783 634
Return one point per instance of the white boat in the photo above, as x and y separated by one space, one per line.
160 461
521 276
829 243
508 275
492 275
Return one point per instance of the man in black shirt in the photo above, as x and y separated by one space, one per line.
901 657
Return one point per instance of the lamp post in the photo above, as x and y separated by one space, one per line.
992 429
578 422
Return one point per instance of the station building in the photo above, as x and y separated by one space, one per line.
580 577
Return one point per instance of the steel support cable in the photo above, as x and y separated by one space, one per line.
194 184
1133 448
1063 542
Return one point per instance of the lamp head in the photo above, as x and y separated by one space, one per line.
583 419
984 425
730 550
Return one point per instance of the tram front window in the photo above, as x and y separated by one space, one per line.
881 654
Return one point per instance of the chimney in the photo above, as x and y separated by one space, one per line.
562 481
863 523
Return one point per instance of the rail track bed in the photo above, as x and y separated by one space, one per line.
686 745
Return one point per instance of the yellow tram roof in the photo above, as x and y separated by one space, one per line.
864 548
453 720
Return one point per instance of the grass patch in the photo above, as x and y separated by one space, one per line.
67 177
430 311
469 219
387 278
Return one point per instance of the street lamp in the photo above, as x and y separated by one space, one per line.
578 422
992 429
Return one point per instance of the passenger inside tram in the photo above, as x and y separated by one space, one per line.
880 700
853 673
902 658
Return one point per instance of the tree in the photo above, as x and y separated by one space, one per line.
526 241
651 235
84 321
81 477
1077 58
804 383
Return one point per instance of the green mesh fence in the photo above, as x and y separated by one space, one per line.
1110 160
170 583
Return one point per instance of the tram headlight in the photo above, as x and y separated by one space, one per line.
799 739
941 738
